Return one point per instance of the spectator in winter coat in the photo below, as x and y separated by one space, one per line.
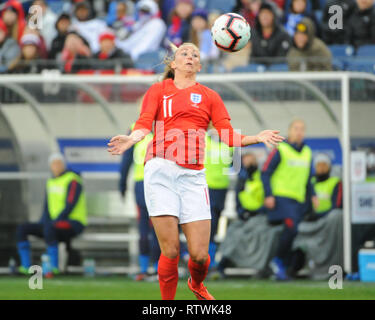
9 49
123 22
179 24
361 25
308 52
298 11
29 61
147 33
14 18
76 50
336 36
269 39
109 56
87 27
62 26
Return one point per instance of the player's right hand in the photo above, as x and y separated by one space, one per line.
119 144
269 202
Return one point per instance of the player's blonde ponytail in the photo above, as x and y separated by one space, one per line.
168 71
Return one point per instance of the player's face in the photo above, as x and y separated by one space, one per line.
187 59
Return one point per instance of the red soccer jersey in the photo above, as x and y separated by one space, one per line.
181 118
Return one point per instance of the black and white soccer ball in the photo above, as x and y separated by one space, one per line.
230 32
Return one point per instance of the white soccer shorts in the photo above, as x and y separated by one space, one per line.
174 190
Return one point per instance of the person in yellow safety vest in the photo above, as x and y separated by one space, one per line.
218 159
64 215
328 189
286 177
148 244
249 197
249 188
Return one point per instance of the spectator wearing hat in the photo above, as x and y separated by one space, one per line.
48 19
64 214
109 56
308 52
29 61
13 16
328 189
62 27
147 32
9 50
361 25
200 35
179 22
270 42
88 28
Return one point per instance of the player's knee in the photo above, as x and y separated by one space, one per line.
199 256
171 251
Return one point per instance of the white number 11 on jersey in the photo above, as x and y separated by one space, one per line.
169 107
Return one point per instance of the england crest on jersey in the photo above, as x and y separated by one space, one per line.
195 98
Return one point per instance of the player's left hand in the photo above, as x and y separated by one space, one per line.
119 144
270 138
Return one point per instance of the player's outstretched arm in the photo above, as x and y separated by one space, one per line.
119 144
269 137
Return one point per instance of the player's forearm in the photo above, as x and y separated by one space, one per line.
249 140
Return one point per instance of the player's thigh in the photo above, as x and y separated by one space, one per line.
166 230
197 235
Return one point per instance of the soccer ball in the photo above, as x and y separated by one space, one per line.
230 32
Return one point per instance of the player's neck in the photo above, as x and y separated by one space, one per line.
182 81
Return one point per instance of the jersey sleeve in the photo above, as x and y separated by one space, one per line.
221 120
218 110
149 108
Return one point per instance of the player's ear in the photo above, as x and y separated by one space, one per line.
173 65
199 67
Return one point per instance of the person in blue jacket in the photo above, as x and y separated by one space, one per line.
286 178
64 215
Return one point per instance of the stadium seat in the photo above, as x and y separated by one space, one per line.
341 55
366 51
278 67
361 65
254 67
341 50
151 61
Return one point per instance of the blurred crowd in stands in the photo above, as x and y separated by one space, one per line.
74 36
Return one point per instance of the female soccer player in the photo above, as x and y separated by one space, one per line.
175 187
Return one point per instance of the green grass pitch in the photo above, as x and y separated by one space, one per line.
123 288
